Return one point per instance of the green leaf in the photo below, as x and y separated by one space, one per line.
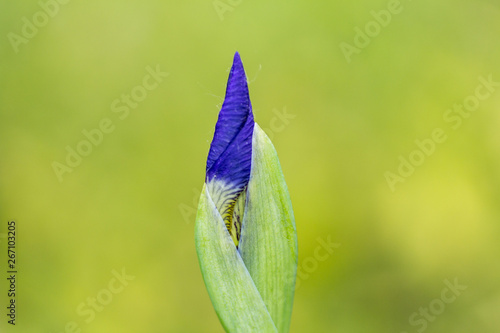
269 240
252 287
234 296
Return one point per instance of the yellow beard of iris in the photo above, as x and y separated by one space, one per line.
231 206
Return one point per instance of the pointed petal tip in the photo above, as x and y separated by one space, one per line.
229 158
236 57
237 70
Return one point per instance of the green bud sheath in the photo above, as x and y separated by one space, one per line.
245 230
269 240
252 286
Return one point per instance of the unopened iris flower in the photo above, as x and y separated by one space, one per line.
245 229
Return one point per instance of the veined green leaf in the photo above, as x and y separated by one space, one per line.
234 296
268 243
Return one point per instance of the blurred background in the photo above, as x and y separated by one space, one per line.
107 109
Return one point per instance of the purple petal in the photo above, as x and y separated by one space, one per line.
230 156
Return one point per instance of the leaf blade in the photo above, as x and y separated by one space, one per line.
234 296
268 244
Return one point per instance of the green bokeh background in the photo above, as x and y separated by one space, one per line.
131 202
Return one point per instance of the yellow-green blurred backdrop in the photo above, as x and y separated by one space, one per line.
339 126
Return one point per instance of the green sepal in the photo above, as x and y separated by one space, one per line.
268 242
252 287
234 296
